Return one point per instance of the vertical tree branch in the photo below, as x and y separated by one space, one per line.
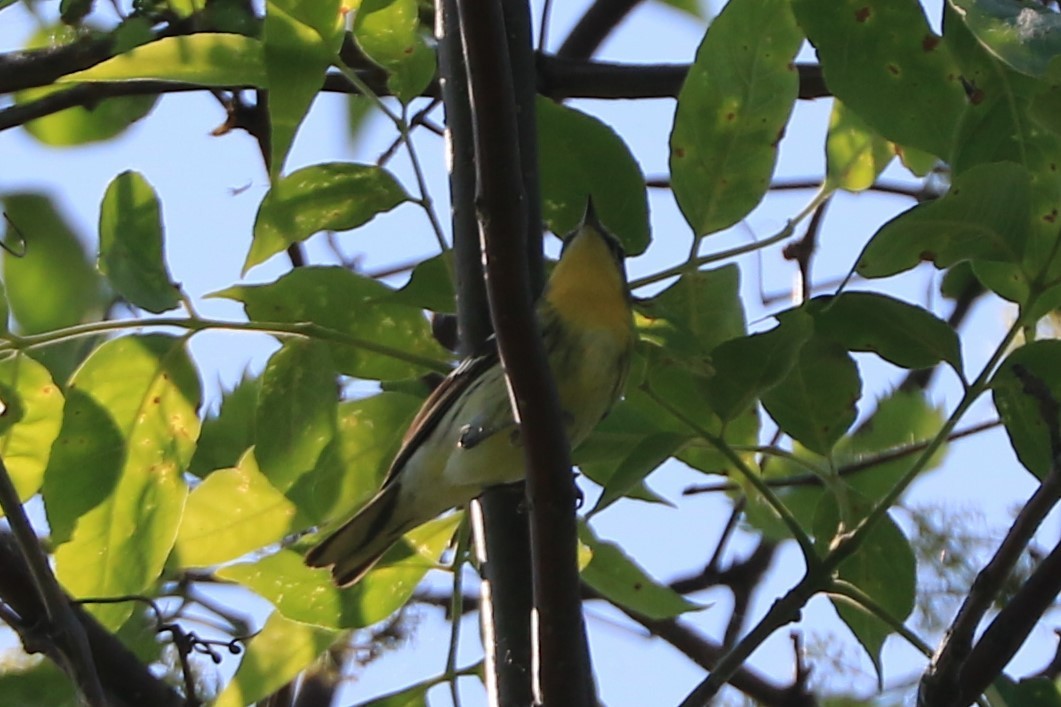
564 677
501 533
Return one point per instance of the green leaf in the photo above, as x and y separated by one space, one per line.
901 333
415 696
233 512
884 568
228 434
1024 35
747 367
695 314
53 285
880 57
732 111
350 304
207 59
855 154
308 595
430 286
582 157
274 657
38 683
295 417
334 196
902 418
80 125
388 32
984 216
650 451
1029 692
351 468
300 40
1024 388
113 487
30 418
130 244
621 581
815 402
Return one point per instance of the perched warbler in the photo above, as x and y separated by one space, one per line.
464 438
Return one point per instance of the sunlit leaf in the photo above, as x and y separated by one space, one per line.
113 487
233 512
130 244
207 59
274 657
334 196
388 31
350 304
300 40
308 595
30 418
295 417
582 157
855 154
731 113
351 468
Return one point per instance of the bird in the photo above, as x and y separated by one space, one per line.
464 439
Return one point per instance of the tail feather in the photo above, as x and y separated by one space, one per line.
353 549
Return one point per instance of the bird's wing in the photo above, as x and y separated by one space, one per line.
437 404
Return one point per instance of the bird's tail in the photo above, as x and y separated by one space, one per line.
353 549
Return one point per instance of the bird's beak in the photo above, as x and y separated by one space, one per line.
590 218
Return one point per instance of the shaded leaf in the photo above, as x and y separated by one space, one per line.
430 286
308 595
295 417
732 111
884 568
274 657
228 434
695 314
623 582
815 402
583 157
114 476
332 196
1029 692
130 244
1024 388
53 285
233 512
984 216
898 332
350 304
1024 35
880 57
650 451
747 367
